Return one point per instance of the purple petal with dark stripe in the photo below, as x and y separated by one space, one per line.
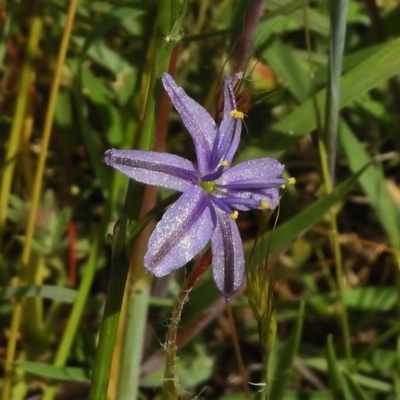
159 169
260 168
182 233
228 138
227 252
197 120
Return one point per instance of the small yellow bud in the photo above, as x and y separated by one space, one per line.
264 205
237 114
283 186
234 215
291 181
224 163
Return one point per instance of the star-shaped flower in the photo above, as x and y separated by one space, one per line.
212 190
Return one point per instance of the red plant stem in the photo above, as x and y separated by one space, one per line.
238 353
252 17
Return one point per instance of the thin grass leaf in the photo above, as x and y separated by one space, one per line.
49 292
337 383
356 392
337 40
67 374
365 381
282 357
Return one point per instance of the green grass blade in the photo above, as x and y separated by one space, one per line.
338 36
337 384
282 357
288 15
373 184
49 371
356 392
288 68
285 233
371 73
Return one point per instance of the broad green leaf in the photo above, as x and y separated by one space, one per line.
276 240
368 382
373 184
52 372
371 73
281 359
46 292
373 298
103 55
288 68
91 140
108 116
288 15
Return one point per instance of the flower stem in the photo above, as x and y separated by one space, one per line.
171 389
124 234
331 125
169 19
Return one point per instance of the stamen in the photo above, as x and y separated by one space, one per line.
213 176
221 204
233 201
264 205
220 149
290 181
234 215
237 114
224 163
248 184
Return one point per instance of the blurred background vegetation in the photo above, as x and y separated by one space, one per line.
80 77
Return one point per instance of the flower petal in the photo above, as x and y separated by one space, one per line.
197 120
259 168
159 169
228 137
182 233
227 252
263 169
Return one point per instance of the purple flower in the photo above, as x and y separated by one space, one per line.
212 190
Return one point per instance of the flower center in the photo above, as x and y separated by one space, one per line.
208 186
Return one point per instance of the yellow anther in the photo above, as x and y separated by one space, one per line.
237 114
224 163
264 205
234 215
290 181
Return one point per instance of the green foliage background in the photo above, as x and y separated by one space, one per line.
321 93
